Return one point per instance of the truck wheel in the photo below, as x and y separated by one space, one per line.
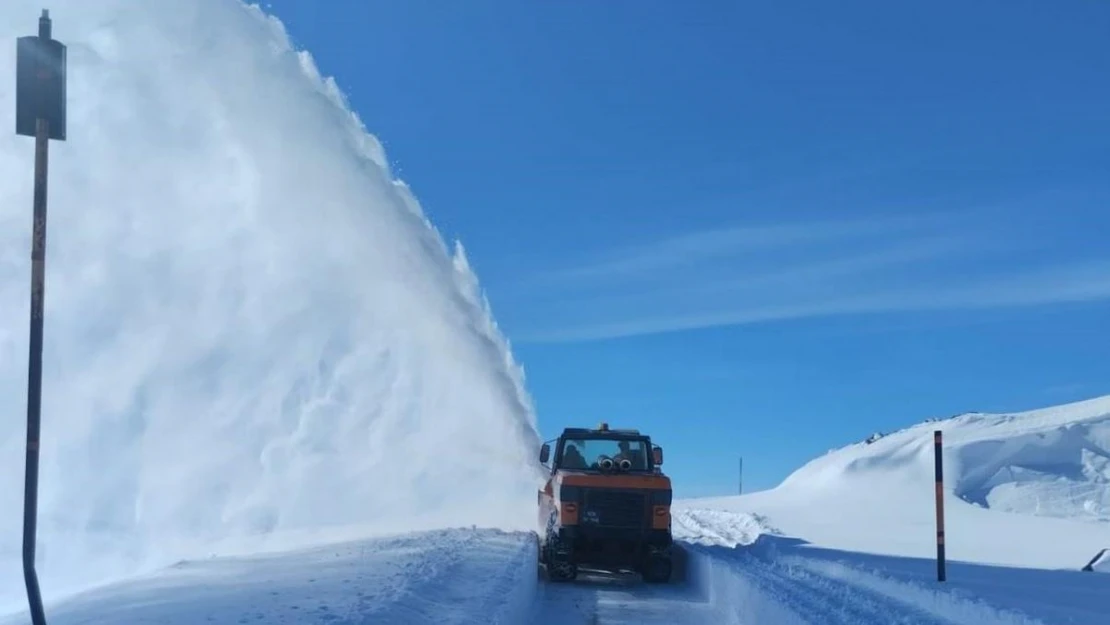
657 569
562 571
557 558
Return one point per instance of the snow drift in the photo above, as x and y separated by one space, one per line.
1052 462
1025 489
251 328
458 576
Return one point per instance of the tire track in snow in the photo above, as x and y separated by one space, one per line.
751 587
753 583
404 595
956 609
817 600
749 573
602 599
460 577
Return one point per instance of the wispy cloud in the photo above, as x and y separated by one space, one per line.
1066 389
768 272
688 249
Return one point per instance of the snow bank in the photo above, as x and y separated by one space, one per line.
1026 489
714 527
1052 462
252 330
452 576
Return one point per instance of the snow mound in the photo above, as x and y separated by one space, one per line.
444 576
1050 462
252 331
718 528
1030 489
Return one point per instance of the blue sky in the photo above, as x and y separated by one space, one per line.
759 229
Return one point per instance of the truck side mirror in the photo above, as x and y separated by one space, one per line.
545 453
657 455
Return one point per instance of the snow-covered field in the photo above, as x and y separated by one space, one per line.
271 389
865 513
1059 520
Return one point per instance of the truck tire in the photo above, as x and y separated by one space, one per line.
657 568
562 571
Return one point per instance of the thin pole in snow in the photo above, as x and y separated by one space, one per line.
740 478
40 112
938 459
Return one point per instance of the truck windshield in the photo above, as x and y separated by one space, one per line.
586 453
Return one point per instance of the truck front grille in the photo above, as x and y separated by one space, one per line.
613 508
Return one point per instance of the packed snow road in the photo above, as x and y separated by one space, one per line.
752 577
727 588
735 574
618 600
756 590
745 586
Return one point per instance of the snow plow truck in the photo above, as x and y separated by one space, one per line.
605 505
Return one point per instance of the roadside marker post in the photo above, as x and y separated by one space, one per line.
939 478
40 112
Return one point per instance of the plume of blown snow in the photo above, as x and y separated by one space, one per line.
252 331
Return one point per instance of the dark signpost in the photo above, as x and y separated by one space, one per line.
40 112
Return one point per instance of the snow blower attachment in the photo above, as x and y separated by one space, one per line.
606 505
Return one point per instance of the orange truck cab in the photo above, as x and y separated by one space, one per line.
606 505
